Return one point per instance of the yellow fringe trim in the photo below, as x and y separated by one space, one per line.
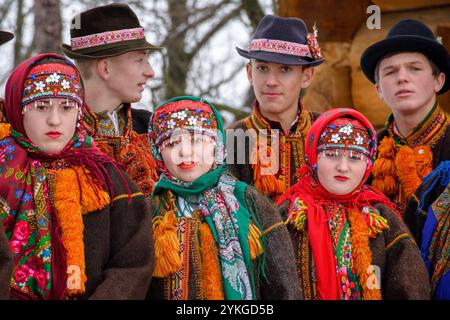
397 239
376 224
254 241
125 196
362 255
211 274
275 226
268 184
167 245
70 206
5 130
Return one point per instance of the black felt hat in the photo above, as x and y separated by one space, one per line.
408 36
106 31
284 41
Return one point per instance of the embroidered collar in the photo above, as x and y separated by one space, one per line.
101 125
260 122
427 132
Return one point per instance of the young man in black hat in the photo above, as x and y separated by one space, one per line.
282 55
108 45
6 263
409 68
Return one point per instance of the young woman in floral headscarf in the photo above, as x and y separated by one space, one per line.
350 241
215 237
77 227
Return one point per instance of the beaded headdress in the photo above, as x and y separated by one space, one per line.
345 133
52 80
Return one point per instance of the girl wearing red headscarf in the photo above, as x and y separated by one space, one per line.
351 243
77 226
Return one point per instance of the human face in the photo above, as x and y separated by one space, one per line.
407 84
277 86
128 74
188 156
340 171
50 123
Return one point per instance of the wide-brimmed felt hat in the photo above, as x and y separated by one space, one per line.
5 36
106 31
407 36
284 41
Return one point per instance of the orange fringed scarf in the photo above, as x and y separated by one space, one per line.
407 166
362 256
268 184
211 274
70 205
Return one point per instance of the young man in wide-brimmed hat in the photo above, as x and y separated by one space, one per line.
282 55
409 68
6 263
109 47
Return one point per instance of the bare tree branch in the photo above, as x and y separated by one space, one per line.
213 31
254 11
4 9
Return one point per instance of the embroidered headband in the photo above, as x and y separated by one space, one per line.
108 37
310 50
183 115
345 133
53 80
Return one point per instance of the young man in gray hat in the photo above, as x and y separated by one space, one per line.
282 55
109 47
409 68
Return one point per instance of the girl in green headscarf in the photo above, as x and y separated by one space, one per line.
215 237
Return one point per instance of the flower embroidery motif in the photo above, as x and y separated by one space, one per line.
171 124
40 86
53 78
192 121
359 140
347 130
181 115
335 138
65 84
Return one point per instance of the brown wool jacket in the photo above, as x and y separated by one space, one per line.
403 273
119 245
5 265
280 282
